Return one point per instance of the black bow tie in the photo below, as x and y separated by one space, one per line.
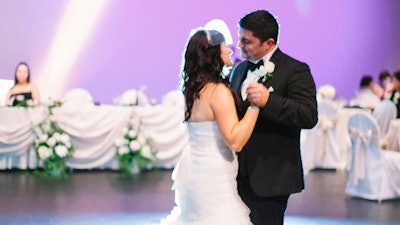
254 66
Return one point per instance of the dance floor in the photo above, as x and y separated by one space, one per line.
103 197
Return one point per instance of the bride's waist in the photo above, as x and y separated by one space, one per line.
205 143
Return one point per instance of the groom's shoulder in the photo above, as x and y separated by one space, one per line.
290 60
286 57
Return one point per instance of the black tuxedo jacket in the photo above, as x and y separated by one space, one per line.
271 159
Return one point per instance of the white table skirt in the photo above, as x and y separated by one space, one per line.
393 135
93 131
312 148
17 136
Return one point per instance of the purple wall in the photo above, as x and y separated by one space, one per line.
137 43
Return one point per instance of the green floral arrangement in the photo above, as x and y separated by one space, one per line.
20 101
24 103
52 145
134 150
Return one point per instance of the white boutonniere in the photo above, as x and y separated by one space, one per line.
226 70
265 71
260 74
396 97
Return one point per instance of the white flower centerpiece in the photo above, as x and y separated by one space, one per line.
53 146
134 150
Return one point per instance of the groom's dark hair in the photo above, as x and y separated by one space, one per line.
262 23
397 74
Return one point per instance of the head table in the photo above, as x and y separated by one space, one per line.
93 130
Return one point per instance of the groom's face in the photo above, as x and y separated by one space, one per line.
251 47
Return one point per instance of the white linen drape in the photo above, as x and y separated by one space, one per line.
93 131
17 136
393 135
169 134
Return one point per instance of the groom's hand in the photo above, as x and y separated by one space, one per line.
257 94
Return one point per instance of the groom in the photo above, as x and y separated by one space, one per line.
270 167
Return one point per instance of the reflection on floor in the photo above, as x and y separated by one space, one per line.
105 198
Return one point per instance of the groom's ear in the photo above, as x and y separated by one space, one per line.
269 43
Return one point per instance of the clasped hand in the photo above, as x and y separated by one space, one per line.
257 94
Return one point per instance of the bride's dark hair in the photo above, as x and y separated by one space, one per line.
202 64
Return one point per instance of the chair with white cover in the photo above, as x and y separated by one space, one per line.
78 97
308 146
373 173
5 86
326 92
133 97
328 154
129 97
143 100
174 97
384 113
319 145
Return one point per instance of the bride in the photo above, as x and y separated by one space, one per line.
205 178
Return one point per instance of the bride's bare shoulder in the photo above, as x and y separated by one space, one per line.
217 89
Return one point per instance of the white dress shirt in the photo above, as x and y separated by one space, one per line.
252 77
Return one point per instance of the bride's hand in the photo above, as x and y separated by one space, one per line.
258 94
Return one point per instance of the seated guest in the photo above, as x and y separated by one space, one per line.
23 93
366 97
386 83
395 98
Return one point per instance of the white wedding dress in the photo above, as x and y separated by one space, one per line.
205 181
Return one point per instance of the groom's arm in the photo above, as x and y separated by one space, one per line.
296 106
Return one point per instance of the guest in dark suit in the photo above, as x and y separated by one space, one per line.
270 166
395 98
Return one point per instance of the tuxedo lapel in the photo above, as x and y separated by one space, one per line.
276 57
239 75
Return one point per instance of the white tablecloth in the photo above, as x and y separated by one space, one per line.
93 131
17 136
312 148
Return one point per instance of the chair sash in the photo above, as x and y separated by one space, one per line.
360 138
325 123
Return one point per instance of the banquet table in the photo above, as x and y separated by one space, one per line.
311 142
93 131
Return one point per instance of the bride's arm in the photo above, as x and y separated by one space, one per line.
235 133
